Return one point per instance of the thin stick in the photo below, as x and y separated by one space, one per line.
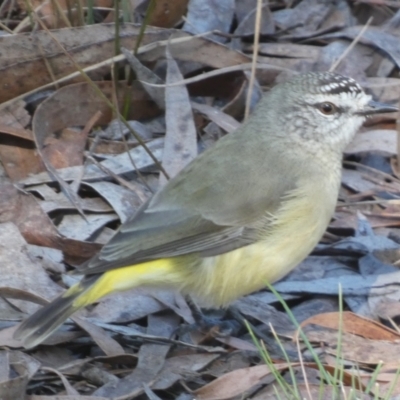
6 28
255 54
85 132
217 72
398 141
352 45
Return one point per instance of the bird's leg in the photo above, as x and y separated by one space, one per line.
214 325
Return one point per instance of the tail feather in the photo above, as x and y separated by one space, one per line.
46 320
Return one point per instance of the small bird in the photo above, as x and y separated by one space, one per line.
244 212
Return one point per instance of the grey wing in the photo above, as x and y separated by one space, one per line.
150 236
153 234
199 211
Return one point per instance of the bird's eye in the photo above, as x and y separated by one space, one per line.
327 108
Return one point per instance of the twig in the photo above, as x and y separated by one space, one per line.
128 185
217 72
255 54
85 132
387 3
398 141
352 45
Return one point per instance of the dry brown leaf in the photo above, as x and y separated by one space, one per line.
355 324
388 310
181 136
382 141
128 306
381 39
19 271
150 363
313 391
65 150
356 348
385 382
74 105
23 68
195 50
37 228
105 342
238 344
68 387
144 74
175 368
65 397
7 338
18 157
246 15
384 89
208 15
276 51
49 12
16 369
223 120
167 13
235 383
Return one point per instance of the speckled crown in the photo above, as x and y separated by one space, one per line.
328 83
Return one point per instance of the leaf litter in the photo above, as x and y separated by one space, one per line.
73 170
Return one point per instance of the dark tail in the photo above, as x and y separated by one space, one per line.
45 321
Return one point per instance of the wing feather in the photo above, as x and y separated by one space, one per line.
200 211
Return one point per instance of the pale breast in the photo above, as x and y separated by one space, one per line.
287 240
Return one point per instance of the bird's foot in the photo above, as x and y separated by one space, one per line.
214 325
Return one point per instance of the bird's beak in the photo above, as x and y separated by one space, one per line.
375 107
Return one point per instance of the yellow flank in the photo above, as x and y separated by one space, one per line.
216 281
153 273
296 229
